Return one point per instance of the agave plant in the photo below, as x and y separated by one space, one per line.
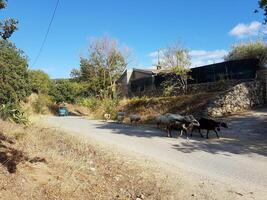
11 113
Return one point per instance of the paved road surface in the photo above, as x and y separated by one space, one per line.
240 156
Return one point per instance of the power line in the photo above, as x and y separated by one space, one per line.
46 35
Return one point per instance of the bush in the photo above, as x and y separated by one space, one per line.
42 103
39 82
247 50
13 113
66 91
91 103
110 106
14 84
100 107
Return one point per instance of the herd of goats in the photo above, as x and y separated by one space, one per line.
178 122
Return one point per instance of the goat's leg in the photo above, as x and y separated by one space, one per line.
194 128
181 132
199 130
207 134
200 133
186 135
216 134
191 129
169 131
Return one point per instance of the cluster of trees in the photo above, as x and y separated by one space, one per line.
104 64
14 84
98 71
251 49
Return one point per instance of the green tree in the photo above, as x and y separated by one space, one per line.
66 91
263 6
14 85
7 26
103 66
246 50
40 82
176 60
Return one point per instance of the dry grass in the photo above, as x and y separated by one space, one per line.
48 164
148 108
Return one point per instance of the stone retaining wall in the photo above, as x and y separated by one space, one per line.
241 97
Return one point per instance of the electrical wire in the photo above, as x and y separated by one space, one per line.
46 35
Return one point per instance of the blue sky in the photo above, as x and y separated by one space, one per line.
208 28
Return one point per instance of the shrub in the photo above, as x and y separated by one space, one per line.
110 106
42 103
14 84
100 107
13 113
66 91
90 103
39 82
250 49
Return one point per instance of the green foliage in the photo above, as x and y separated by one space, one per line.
66 91
14 85
2 4
13 114
8 26
176 61
103 66
42 103
110 106
92 103
167 89
100 107
40 82
252 49
263 6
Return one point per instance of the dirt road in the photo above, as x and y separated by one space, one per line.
239 158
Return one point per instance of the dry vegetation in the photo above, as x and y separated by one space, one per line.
42 163
148 108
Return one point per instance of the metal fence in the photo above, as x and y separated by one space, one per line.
233 70
230 70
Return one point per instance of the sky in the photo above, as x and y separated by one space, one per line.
207 28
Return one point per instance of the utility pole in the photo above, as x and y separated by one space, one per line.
158 65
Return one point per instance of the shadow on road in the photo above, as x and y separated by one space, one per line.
247 135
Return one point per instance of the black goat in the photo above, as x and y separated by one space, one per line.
210 125
177 122
185 124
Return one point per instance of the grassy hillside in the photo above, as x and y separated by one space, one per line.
148 108
42 163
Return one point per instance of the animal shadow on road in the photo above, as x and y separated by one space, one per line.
247 134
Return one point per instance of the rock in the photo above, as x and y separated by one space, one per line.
240 97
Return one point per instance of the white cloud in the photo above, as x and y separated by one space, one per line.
203 57
198 57
245 30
